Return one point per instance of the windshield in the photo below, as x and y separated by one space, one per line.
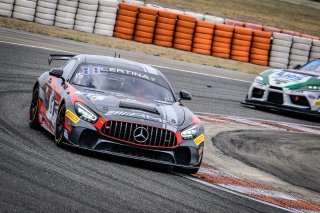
312 66
136 84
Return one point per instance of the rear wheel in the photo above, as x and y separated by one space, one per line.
59 135
34 109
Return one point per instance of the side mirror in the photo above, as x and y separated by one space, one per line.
184 95
296 66
57 72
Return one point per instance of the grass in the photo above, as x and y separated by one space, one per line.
275 13
130 46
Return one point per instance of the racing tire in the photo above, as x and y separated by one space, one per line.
198 16
5 13
282 43
59 133
278 65
316 43
34 109
301 46
175 11
282 36
301 40
214 19
315 49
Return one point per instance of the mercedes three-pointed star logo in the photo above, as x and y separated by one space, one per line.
140 134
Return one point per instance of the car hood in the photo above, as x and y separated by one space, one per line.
115 106
290 78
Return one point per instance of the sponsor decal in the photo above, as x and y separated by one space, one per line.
126 72
140 115
317 103
72 117
199 139
283 79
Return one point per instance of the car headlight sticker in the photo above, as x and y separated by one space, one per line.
85 113
190 132
259 79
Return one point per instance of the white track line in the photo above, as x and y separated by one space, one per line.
234 192
180 70
255 119
255 191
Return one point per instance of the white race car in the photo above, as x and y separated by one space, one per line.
294 90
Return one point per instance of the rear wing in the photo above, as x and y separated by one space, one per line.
55 57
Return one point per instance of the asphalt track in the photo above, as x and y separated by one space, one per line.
36 176
295 161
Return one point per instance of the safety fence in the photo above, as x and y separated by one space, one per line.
188 31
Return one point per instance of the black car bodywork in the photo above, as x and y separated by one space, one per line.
78 111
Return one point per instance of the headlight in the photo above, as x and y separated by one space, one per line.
313 88
190 132
85 113
259 79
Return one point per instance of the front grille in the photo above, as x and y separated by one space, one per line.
135 151
126 132
277 88
276 98
257 93
299 100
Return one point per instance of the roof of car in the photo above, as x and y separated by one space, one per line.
120 63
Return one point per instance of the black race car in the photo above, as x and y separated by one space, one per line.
118 107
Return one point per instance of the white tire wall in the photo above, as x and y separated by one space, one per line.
199 16
45 11
300 51
175 11
315 50
105 21
214 19
6 7
24 9
280 50
86 15
134 2
66 13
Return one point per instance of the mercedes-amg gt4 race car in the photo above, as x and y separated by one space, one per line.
118 107
293 90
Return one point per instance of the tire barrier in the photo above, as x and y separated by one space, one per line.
315 50
290 32
271 29
6 7
184 32
259 52
202 38
241 44
24 9
222 40
86 15
253 26
299 53
234 23
45 12
280 50
106 17
66 13
214 19
134 2
145 27
126 21
165 28
199 16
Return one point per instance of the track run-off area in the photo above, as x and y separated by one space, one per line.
35 175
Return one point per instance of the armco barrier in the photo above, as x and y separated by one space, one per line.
189 31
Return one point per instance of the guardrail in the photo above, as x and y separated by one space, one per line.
188 31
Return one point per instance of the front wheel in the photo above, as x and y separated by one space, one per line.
59 136
34 110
